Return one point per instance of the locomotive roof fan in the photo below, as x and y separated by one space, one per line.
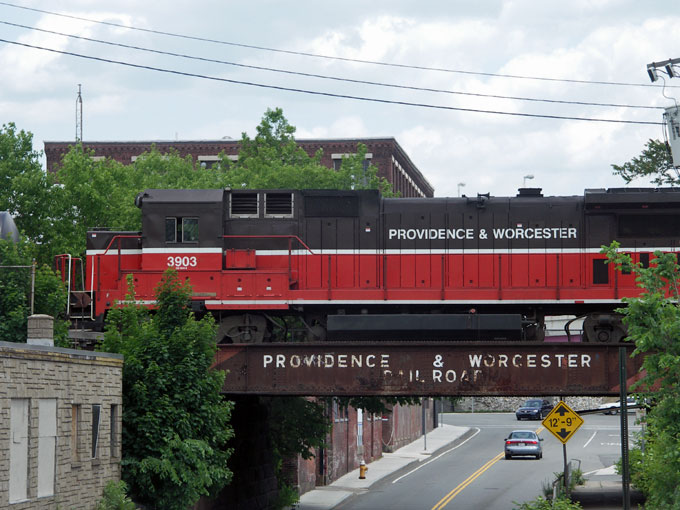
671 115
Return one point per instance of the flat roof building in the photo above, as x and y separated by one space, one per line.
385 153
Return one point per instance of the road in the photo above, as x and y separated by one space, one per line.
474 473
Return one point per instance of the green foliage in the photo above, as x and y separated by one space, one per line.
286 498
654 162
376 405
15 282
540 503
638 473
115 497
653 322
175 421
56 212
26 191
274 160
297 425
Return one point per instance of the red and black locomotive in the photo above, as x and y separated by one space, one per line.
354 265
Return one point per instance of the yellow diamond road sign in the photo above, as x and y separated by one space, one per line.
562 422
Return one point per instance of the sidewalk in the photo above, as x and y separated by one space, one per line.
603 491
327 497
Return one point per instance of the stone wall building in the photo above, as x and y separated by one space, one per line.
60 423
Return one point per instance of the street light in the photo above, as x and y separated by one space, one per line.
525 180
460 185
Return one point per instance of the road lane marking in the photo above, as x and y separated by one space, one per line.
435 458
447 499
591 438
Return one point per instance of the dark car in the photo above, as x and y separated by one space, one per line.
534 409
523 443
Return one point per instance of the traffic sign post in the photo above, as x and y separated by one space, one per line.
563 422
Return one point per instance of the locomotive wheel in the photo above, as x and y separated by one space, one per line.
316 328
535 332
604 328
244 328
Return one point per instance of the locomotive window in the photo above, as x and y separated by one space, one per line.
278 205
181 230
600 272
170 230
649 225
244 205
189 230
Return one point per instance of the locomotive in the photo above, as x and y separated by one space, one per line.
354 265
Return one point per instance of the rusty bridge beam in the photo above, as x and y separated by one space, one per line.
418 369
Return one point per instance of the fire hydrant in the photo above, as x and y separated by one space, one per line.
362 470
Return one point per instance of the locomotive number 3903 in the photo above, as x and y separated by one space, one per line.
185 261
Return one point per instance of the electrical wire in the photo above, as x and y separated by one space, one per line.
326 94
327 57
326 77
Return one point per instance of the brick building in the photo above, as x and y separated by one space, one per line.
359 436
60 423
385 153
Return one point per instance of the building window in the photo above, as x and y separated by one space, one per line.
75 432
360 427
340 413
47 445
181 230
96 415
18 450
114 430
208 161
338 157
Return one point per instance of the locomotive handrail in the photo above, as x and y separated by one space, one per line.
70 262
272 237
119 237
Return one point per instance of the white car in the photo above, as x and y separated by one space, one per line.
615 407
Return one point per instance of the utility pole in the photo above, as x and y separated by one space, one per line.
671 116
79 117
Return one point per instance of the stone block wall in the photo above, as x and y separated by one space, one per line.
58 393
510 404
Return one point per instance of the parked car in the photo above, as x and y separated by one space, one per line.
615 407
523 443
534 409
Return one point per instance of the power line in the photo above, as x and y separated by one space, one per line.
327 94
329 57
326 77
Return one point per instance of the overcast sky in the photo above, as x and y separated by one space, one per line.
449 47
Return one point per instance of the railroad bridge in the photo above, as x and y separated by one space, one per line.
424 369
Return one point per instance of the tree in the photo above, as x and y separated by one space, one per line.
25 189
654 163
15 282
653 321
175 420
274 160
102 193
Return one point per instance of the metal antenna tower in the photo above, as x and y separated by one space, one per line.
79 117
